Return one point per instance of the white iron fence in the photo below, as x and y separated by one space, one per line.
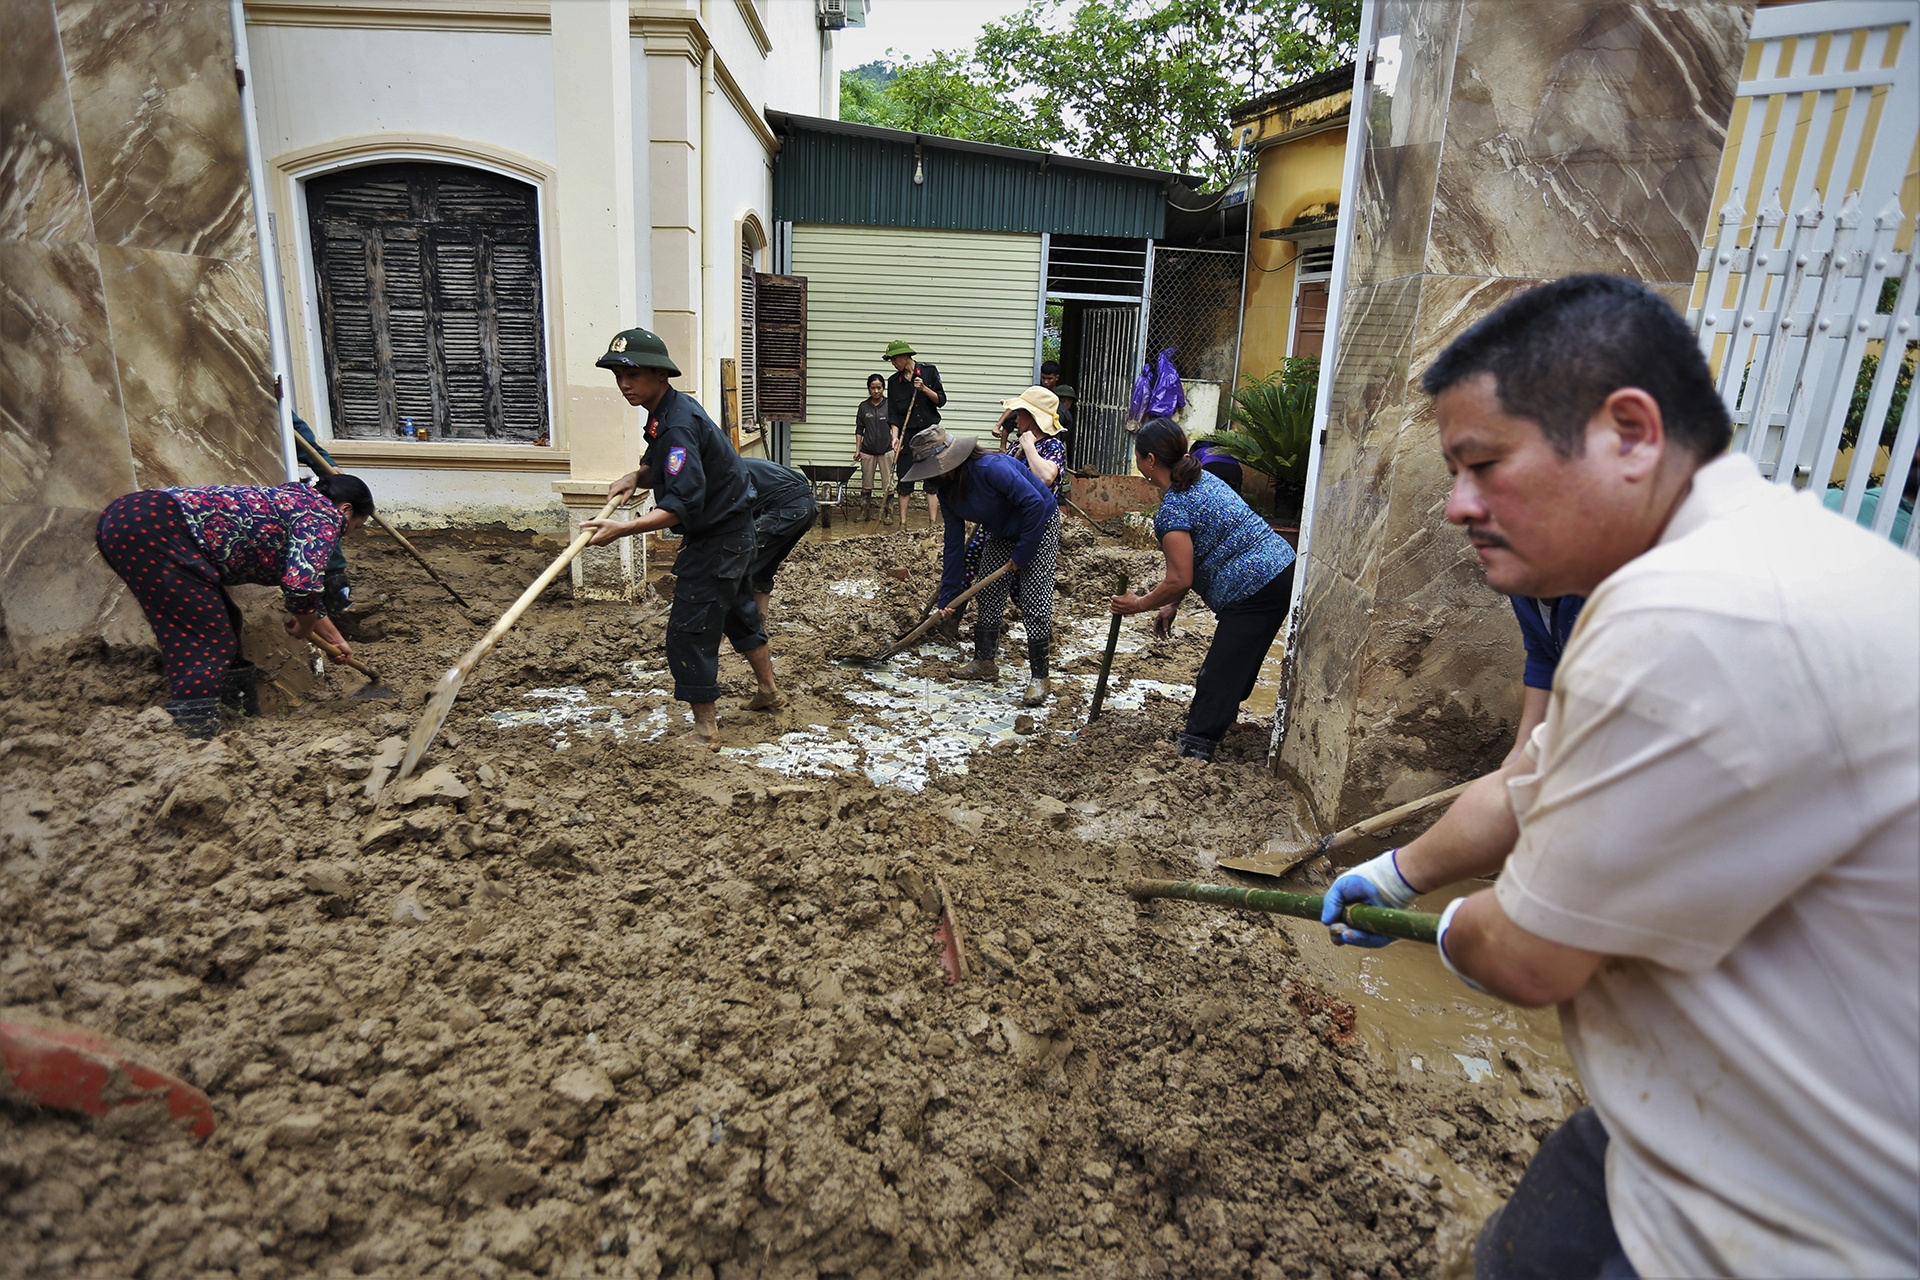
1809 319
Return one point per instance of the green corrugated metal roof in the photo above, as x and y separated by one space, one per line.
834 173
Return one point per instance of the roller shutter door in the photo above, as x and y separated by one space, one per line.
968 301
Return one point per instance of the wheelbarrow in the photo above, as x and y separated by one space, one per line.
830 485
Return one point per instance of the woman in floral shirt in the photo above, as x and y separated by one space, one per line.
1036 411
179 549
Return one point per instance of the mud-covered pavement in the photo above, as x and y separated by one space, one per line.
582 1002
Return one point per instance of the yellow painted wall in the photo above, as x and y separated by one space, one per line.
1292 177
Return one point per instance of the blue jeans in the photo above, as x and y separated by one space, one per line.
1556 1225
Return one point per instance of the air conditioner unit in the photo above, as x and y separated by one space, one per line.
833 15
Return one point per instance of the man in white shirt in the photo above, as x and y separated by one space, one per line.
1709 855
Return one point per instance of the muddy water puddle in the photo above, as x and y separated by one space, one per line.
904 723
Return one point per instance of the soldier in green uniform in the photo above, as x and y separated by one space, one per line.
701 490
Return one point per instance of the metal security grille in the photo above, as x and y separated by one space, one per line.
1109 343
430 302
1194 309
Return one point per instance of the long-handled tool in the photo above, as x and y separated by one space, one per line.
319 464
447 688
1274 862
1106 659
1414 926
373 688
1098 527
855 660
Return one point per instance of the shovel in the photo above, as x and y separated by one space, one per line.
1276 862
447 688
1414 926
1106 659
372 688
854 660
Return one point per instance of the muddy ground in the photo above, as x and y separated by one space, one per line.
589 1003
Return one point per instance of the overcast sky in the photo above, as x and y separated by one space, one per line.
915 28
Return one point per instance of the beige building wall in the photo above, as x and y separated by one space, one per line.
1296 178
131 302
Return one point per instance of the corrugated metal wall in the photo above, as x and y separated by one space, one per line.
853 181
968 301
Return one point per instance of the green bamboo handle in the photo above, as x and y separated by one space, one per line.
1414 926
1106 659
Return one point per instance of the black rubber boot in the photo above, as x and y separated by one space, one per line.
986 647
195 717
1198 748
336 593
240 689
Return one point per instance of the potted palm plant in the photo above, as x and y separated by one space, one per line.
1271 428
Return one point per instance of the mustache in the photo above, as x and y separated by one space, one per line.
1481 536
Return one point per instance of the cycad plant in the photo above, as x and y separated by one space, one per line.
1272 426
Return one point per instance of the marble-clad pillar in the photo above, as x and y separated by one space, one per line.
133 347
1507 144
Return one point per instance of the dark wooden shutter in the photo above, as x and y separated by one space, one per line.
749 337
780 316
430 302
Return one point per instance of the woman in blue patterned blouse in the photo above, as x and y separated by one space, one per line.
179 549
1215 544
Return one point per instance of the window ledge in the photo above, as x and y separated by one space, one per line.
433 456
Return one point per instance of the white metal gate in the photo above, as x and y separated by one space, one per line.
1109 347
1792 306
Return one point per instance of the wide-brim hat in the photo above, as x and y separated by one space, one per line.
899 347
638 349
935 453
1042 404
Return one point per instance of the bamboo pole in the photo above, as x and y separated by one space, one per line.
1414 926
1106 659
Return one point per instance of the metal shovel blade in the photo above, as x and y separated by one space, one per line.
439 704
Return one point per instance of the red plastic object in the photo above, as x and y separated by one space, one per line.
58 1065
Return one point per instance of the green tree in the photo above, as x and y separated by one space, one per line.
1141 82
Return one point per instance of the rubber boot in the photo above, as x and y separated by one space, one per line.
336 593
985 645
1039 687
1197 747
195 717
240 689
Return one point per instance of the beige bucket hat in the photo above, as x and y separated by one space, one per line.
1042 404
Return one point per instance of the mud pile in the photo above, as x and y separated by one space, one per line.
622 1009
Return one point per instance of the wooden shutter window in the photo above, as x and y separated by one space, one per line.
780 315
430 302
749 337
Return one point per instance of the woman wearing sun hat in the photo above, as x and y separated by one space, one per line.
1028 432
1022 522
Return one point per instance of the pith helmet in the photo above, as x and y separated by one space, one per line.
638 349
898 347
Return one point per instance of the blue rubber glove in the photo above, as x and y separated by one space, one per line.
1376 883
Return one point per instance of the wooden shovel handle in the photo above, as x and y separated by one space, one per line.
955 603
1391 818
319 464
532 593
345 659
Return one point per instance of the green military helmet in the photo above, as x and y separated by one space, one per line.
898 347
638 349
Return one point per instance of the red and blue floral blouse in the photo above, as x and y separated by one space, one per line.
274 537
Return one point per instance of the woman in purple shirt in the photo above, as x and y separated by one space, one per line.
179 549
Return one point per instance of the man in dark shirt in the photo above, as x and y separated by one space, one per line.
1069 417
783 510
914 397
1544 627
699 488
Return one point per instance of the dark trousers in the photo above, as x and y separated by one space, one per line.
704 610
775 537
144 538
1242 634
1556 1225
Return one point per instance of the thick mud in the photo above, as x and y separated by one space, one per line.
576 1001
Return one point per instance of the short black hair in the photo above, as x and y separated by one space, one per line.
1558 351
340 487
1049 366
872 378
